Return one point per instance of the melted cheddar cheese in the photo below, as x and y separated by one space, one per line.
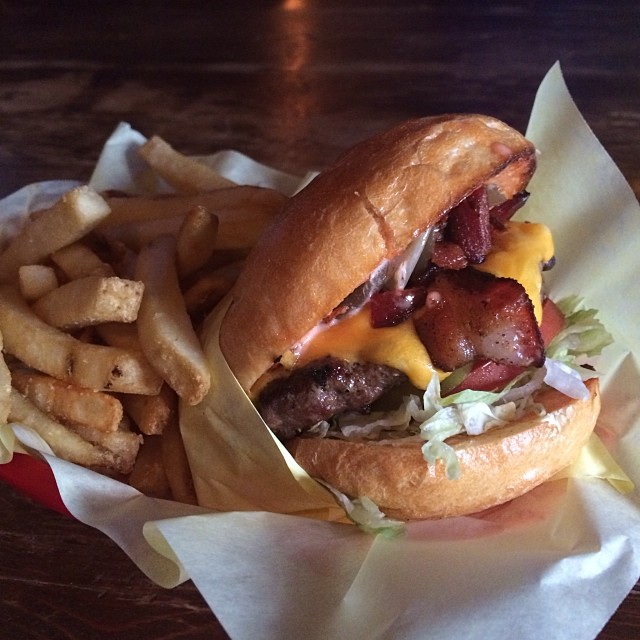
355 340
517 253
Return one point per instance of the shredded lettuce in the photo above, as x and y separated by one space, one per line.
472 412
582 336
434 419
366 514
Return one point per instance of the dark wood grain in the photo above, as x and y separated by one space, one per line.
61 579
291 83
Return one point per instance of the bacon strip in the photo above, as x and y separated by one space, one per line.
470 314
389 308
449 255
503 212
469 226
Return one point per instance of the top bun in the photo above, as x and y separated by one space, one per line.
364 209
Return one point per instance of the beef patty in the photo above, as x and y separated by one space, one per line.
324 388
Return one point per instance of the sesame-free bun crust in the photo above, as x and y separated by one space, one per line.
496 467
366 208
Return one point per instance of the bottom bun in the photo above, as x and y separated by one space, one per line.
496 467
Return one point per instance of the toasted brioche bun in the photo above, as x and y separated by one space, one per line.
364 209
497 466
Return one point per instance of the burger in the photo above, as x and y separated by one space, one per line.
392 327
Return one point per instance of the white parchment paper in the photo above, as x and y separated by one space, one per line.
553 564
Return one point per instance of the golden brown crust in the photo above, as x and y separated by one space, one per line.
366 208
496 467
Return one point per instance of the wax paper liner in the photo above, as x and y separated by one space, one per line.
554 563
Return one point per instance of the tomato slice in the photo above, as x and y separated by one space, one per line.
552 321
487 375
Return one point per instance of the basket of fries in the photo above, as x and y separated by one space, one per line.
98 368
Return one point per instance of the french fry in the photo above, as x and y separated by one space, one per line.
152 413
184 174
148 475
76 213
203 294
196 240
52 351
176 464
5 387
89 301
85 334
67 403
78 261
167 336
243 212
117 334
123 444
122 258
135 235
35 280
64 442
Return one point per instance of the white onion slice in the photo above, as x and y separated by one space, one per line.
565 379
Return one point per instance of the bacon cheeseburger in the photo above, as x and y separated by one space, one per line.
392 329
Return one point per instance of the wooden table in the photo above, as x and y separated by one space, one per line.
290 83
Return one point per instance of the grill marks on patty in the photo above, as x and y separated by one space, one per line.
320 390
